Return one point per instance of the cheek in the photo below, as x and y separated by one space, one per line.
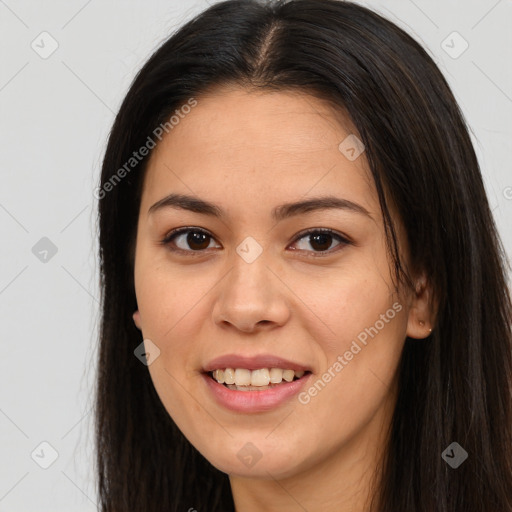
174 307
361 325
343 305
171 303
169 296
352 397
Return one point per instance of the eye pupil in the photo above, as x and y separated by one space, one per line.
323 239
195 237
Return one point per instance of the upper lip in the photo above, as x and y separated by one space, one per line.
253 363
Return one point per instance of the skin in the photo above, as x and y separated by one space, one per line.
248 152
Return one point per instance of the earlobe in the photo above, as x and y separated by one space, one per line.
136 319
421 317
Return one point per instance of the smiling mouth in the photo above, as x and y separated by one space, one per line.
241 379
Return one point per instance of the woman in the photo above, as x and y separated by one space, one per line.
304 298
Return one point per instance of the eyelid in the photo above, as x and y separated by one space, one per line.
343 239
166 241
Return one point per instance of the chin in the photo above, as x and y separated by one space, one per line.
251 462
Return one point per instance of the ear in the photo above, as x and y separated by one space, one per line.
421 316
136 319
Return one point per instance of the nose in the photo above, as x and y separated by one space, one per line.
251 297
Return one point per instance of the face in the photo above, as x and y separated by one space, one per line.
252 284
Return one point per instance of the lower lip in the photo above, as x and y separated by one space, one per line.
254 401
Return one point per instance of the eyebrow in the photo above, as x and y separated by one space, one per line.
279 213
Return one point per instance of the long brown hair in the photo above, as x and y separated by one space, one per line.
454 387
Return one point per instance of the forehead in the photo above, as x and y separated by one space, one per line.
231 116
242 143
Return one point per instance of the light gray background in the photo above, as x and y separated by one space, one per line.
55 116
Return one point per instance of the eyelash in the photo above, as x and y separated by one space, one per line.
175 233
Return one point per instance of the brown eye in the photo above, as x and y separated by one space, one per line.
194 240
197 240
189 240
321 240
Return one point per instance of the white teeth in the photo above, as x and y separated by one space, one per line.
218 375
288 375
242 377
262 378
276 375
229 376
